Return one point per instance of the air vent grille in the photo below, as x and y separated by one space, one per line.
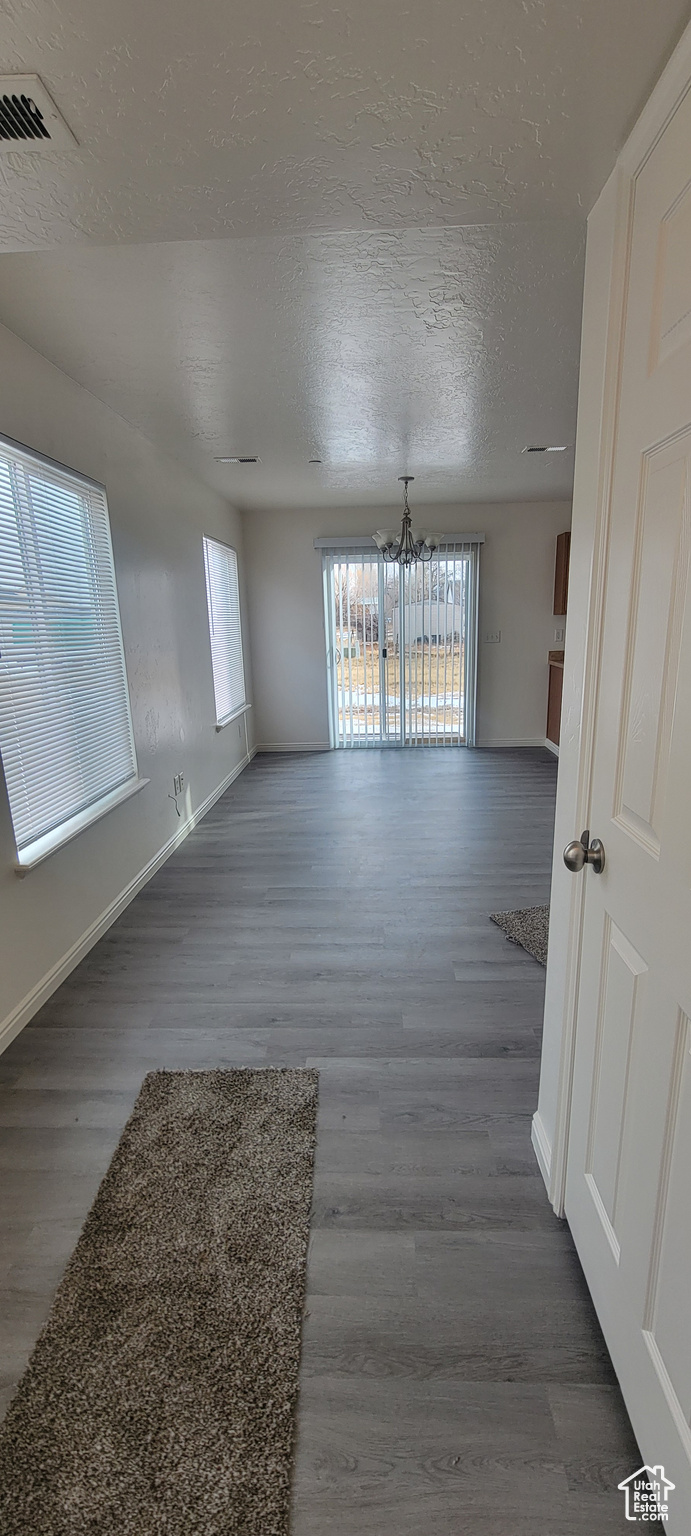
251 458
29 119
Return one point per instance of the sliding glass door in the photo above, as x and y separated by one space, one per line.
401 648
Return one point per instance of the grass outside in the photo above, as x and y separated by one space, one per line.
434 686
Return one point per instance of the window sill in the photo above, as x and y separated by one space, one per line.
43 847
228 719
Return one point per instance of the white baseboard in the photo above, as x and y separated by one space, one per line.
15 1021
293 746
541 1148
323 746
551 746
514 741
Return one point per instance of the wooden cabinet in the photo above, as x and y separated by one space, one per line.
554 691
561 573
556 658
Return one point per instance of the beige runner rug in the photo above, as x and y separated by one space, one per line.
161 1394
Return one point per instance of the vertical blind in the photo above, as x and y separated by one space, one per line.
223 601
65 728
401 644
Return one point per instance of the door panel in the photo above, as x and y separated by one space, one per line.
667 1307
352 606
661 560
391 654
435 610
628 1195
671 327
401 649
620 995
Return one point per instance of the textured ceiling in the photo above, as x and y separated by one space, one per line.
438 352
202 120
352 232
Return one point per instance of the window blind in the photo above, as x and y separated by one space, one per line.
223 601
65 728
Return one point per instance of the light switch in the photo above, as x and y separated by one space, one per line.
492 636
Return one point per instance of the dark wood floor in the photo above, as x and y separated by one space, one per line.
332 910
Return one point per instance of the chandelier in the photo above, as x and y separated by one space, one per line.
403 547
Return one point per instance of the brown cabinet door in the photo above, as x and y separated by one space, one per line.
556 680
561 573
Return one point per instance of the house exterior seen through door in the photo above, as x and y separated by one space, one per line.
401 648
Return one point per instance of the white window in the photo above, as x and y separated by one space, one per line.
65 729
223 601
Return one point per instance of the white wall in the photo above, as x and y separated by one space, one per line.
158 515
287 618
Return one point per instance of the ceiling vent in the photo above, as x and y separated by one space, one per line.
28 117
251 458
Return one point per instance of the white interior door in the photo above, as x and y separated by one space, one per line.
628 1189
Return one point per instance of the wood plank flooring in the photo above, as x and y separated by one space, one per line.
333 910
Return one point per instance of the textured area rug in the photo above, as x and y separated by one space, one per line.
160 1396
529 927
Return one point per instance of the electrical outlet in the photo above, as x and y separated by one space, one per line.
492 636
559 636
178 783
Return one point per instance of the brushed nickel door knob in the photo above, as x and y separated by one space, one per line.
574 857
585 852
